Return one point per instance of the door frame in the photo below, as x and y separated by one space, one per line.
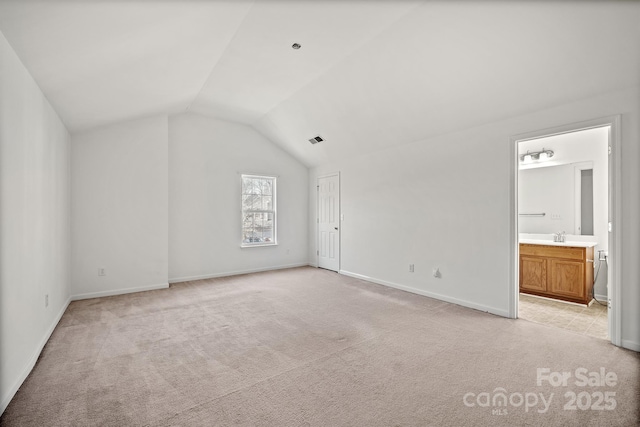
615 200
318 178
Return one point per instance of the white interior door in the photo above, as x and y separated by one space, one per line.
329 222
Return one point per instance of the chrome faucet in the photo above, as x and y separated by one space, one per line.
559 237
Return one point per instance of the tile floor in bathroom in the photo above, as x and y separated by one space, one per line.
591 321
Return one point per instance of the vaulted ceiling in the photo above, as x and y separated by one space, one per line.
369 74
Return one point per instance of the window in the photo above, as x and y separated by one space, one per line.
258 210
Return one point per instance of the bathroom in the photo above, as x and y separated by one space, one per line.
563 206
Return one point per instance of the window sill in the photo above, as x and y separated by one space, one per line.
258 245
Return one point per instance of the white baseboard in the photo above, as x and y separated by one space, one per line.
464 303
631 345
6 399
236 272
118 292
602 298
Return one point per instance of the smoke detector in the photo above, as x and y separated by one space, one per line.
316 139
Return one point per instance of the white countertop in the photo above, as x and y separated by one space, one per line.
568 243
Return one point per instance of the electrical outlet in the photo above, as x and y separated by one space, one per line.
410 268
102 271
46 301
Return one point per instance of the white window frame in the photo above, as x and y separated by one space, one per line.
272 211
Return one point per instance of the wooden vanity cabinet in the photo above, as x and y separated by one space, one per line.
561 272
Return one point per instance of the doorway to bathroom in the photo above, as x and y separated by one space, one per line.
565 208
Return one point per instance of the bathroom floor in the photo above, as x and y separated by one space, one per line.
591 321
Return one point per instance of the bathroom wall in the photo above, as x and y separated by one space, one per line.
549 191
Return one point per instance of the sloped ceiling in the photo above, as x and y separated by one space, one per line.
369 75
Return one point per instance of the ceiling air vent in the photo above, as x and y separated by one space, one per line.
316 139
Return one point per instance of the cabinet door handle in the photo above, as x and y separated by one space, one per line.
589 260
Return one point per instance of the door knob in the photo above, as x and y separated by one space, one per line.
335 228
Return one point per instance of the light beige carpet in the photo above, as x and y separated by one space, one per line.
308 347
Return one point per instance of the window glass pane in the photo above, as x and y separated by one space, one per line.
246 185
251 187
267 227
249 233
256 203
267 187
258 223
247 202
247 223
267 203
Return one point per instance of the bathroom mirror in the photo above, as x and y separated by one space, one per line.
556 198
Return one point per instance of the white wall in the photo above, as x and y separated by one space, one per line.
119 208
206 158
550 191
432 204
446 202
34 221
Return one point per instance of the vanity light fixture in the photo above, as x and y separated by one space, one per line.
536 155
